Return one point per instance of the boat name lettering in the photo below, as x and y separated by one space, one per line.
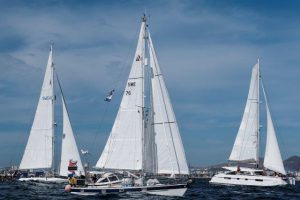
130 84
128 92
47 98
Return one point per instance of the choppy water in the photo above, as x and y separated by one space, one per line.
200 190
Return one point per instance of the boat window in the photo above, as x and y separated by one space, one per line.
104 180
227 178
232 173
258 173
259 180
39 174
246 179
113 178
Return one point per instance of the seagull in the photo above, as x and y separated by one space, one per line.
84 152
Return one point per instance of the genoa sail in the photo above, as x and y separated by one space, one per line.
169 148
39 149
245 147
272 160
124 148
69 150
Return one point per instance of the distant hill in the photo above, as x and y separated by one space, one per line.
292 163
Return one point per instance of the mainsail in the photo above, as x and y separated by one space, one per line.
39 149
272 160
124 148
69 150
169 149
245 147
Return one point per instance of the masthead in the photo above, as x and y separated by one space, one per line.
144 18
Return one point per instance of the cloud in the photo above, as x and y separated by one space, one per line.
206 50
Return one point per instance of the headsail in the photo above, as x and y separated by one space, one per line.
169 148
69 150
39 149
123 149
272 160
246 143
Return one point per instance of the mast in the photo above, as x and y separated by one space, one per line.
258 126
53 102
144 20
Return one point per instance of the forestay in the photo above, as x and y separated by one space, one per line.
123 149
69 149
38 152
169 149
272 160
246 143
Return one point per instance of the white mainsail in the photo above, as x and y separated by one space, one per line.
39 149
246 143
69 150
124 148
169 149
272 160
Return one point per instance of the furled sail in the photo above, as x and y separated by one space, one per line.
69 150
272 160
246 143
123 149
169 148
38 152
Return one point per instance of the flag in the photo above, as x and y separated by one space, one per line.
109 96
72 165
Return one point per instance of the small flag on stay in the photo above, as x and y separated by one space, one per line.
109 96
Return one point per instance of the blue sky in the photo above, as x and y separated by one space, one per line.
206 50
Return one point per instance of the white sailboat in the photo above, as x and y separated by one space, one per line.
246 146
39 151
144 140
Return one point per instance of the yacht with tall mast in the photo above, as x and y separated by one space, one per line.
245 151
39 151
145 138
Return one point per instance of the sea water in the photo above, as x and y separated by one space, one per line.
199 190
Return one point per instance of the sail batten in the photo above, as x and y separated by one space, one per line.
38 152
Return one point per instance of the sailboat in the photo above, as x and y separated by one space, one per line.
246 146
144 139
39 151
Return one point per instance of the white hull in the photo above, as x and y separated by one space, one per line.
44 180
253 180
171 192
163 190
85 193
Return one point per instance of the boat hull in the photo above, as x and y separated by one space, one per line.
165 190
44 179
226 179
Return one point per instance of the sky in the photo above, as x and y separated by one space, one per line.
206 50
